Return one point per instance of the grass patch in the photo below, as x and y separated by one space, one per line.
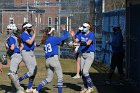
69 70
98 73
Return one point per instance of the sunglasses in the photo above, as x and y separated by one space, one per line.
29 28
84 27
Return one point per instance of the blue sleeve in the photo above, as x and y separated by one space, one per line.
79 36
24 37
11 41
66 36
91 37
58 40
76 34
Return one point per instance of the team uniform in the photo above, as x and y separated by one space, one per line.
87 57
15 58
29 60
52 61
66 34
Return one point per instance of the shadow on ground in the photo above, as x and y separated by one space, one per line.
99 81
5 87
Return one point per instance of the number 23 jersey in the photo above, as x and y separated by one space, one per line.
51 46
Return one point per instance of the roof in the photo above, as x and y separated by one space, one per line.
23 8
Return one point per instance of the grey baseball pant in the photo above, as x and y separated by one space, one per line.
86 62
15 61
53 64
30 62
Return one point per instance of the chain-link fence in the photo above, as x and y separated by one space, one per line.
113 18
73 13
107 14
42 13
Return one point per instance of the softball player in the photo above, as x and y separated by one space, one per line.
13 51
78 55
28 54
87 48
52 61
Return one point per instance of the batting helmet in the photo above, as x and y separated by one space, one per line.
12 28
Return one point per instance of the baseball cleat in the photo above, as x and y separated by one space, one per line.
76 77
90 90
29 90
20 91
83 91
35 91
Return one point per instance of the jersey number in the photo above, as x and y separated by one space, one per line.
48 48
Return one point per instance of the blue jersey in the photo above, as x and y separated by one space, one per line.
84 38
65 32
13 40
77 34
24 38
51 45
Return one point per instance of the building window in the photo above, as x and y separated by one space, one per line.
56 20
25 19
46 3
49 21
11 20
36 3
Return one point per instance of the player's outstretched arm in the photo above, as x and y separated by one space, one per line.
21 46
30 41
72 33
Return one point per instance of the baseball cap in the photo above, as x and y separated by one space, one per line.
80 28
28 25
52 29
116 28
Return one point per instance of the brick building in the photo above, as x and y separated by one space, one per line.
40 13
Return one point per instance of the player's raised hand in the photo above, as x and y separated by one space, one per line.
34 31
63 27
72 33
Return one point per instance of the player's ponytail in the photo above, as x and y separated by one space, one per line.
17 34
23 29
45 35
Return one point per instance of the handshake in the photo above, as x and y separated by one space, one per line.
72 44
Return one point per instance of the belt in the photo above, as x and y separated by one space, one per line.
51 56
88 52
27 50
18 53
